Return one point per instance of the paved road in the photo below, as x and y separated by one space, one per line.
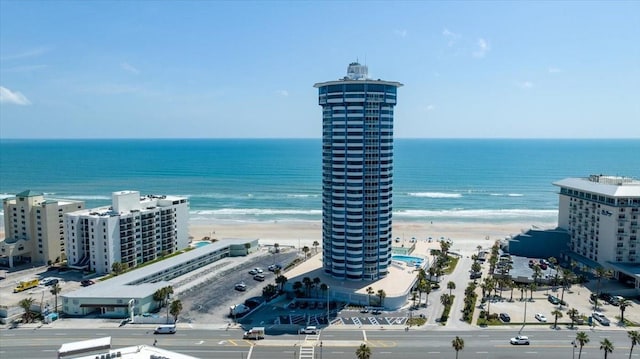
28 343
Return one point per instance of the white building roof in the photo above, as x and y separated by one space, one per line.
120 287
605 185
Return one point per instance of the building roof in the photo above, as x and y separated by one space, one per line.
348 81
605 185
28 193
120 287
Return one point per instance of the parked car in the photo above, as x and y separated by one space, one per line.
505 317
520 340
259 277
616 300
475 275
47 282
274 267
601 318
553 299
87 282
541 318
241 287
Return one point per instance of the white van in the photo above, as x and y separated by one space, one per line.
165 329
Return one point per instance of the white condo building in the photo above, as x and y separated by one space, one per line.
133 230
357 174
601 214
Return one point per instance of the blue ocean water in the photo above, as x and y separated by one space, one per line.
249 180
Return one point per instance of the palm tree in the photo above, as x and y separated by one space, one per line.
176 308
635 339
581 338
363 352
537 271
307 285
305 250
427 289
276 247
458 345
55 290
624 304
532 288
316 284
315 246
573 314
600 273
557 314
296 287
281 281
26 304
607 346
451 286
370 291
381 294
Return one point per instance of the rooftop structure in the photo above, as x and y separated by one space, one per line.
357 174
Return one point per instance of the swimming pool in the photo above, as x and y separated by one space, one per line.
201 244
417 261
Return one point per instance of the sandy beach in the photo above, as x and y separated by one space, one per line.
465 236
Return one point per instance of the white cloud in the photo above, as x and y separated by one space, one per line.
15 98
483 48
283 93
26 54
451 36
401 33
130 68
525 84
554 70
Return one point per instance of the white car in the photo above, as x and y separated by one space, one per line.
541 318
309 330
520 340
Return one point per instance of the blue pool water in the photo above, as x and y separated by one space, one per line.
201 244
407 259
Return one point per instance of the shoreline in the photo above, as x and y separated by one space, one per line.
465 235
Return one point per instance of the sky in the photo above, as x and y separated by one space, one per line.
245 69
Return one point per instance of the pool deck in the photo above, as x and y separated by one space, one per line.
396 285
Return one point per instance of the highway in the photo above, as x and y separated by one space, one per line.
29 343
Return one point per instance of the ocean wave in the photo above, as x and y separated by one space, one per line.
506 194
257 212
295 195
435 194
6 195
491 214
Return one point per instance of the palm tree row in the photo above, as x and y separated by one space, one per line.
606 345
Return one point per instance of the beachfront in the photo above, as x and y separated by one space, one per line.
466 236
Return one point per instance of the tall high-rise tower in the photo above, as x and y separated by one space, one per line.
357 174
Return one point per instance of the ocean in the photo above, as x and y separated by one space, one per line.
258 180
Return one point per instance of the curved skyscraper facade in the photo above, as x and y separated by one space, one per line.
357 174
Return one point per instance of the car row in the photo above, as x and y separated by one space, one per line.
611 299
256 270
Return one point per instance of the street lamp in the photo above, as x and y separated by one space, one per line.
524 319
320 350
574 346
